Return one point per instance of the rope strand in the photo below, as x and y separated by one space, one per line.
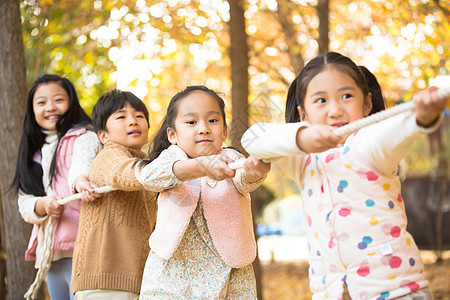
46 229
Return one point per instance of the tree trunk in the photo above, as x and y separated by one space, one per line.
12 105
323 11
239 94
285 7
239 73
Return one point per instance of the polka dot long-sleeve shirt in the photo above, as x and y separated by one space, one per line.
354 212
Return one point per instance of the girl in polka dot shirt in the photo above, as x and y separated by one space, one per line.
355 216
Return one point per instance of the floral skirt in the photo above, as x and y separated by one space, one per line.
196 271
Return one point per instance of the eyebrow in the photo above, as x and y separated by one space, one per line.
344 88
193 114
55 95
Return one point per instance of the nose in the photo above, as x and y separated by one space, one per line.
334 109
132 120
203 128
51 105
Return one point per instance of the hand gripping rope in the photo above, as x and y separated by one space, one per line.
49 225
46 229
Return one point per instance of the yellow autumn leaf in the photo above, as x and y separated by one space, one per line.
88 58
46 2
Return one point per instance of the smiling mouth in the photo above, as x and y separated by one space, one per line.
52 118
204 141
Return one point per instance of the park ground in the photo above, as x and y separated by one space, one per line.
285 269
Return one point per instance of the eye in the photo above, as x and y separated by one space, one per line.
120 117
59 100
140 116
347 96
190 122
320 101
213 120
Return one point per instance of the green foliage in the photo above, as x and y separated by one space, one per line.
155 48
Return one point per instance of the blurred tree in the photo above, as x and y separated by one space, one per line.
323 12
239 73
12 99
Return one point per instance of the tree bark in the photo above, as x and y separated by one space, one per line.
239 73
12 101
323 11
285 7
239 95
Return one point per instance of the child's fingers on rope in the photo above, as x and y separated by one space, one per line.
428 106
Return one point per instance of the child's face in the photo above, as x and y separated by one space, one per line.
50 102
333 98
199 125
127 127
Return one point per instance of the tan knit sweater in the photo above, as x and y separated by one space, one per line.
112 242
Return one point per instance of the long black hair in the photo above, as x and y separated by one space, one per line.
363 78
28 177
160 141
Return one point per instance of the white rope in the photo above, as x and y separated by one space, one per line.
44 265
237 164
379 116
100 190
47 229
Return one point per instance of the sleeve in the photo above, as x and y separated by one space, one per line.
242 185
115 166
27 204
385 143
276 143
85 148
158 175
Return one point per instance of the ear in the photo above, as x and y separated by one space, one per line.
302 114
171 136
103 136
367 104
225 132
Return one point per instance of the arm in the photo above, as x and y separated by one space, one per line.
35 209
277 143
85 148
255 169
385 143
158 175
115 166
170 169
250 177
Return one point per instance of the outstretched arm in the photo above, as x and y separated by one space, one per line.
385 143
213 166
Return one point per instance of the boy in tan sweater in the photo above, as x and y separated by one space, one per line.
112 242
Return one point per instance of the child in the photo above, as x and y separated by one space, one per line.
356 221
114 230
55 153
203 244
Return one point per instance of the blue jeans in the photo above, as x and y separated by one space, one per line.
58 279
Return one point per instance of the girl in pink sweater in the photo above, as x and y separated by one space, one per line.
203 243
55 153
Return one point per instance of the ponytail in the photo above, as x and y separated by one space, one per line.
291 114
